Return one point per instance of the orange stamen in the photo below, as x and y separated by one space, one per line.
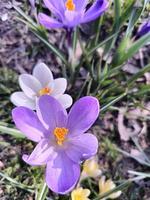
45 90
60 134
70 5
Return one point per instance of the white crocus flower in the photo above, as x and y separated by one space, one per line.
39 83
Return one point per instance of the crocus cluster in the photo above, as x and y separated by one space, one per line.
70 13
91 169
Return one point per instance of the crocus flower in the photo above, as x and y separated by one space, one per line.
106 186
144 29
41 82
62 141
80 194
70 13
91 168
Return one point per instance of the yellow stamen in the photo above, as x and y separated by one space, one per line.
70 5
45 90
60 134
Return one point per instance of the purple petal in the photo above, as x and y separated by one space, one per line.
41 154
32 2
72 18
144 29
82 147
95 10
49 22
62 174
56 8
27 122
51 113
82 115
80 5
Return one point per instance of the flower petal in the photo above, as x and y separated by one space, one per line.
95 10
144 29
43 74
56 8
32 2
80 5
82 147
51 113
65 100
20 99
62 174
30 85
72 18
27 122
60 85
41 154
49 22
82 115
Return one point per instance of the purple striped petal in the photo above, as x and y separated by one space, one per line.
72 18
41 154
27 122
56 8
62 174
82 147
80 5
32 2
144 29
51 113
82 115
49 22
95 10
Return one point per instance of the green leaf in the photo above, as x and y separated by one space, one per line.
104 108
17 184
135 15
122 56
43 192
116 26
11 131
133 79
91 51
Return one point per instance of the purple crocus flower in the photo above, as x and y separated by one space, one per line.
70 13
62 141
144 29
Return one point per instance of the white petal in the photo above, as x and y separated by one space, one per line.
20 99
30 85
60 85
65 100
51 85
43 74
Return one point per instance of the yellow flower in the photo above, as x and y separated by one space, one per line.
90 168
80 194
106 186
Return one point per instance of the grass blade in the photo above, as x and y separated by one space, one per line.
121 57
17 184
11 131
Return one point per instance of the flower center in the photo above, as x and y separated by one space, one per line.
45 90
60 134
70 5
